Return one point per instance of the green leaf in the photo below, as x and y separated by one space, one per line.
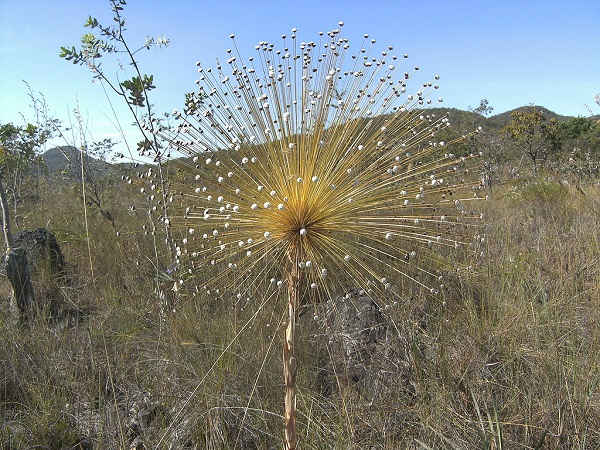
91 22
65 53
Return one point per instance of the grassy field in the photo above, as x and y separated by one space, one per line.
506 356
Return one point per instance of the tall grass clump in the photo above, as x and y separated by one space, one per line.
309 170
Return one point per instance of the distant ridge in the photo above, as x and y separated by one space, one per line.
62 159
505 116
58 158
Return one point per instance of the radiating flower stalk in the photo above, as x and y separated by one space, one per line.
312 169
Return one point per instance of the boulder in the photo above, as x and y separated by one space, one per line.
365 350
35 260
43 251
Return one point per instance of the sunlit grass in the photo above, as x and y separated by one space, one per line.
513 347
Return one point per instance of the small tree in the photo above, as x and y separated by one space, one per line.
134 91
87 165
19 153
480 144
580 141
19 145
533 134
484 109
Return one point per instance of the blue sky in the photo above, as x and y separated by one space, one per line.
511 53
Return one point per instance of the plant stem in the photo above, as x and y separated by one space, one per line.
289 353
8 241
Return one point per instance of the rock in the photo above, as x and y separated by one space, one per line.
365 351
129 413
36 269
18 273
43 251
356 326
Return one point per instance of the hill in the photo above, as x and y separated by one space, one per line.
67 158
504 117
466 121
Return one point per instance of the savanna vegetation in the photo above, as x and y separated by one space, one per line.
125 348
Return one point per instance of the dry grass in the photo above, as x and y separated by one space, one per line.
507 357
127 352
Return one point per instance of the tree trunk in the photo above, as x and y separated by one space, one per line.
8 240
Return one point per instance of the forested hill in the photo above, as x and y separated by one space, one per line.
464 120
60 158
561 139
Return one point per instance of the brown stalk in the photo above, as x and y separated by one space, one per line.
289 354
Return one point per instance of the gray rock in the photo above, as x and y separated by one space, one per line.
365 349
43 251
